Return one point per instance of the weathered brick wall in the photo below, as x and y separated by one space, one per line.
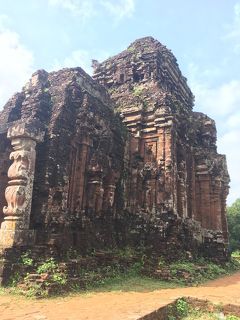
173 163
79 163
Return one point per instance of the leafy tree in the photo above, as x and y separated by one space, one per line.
233 217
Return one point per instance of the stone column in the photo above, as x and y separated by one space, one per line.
14 231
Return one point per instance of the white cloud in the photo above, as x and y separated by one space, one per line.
233 30
229 145
16 62
119 9
222 103
222 100
80 58
4 20
217 100
234 121
82 8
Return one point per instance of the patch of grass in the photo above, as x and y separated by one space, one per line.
202 315
126 252
137 91
127 283
3 291
133 283
183 310
113 278
232 317
199 271
236 254
26 259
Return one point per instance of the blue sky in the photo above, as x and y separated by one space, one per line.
203 35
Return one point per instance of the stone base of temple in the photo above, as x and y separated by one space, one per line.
169 249
11 237
9 259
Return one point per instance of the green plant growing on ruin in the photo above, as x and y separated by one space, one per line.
182 307
182 266
137 91
126 252
15 279
48 266
178 310
161 262
112 90
59 278
130 49
118 109
236 254
232 317
170 313
131 269
51 266
144 104
26 259
199 314
215 270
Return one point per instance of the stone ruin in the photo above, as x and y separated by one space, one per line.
117 159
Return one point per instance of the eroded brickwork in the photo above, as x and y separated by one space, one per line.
124 159
178 169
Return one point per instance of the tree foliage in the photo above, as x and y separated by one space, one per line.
233 217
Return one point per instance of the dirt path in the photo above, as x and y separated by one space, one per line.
115 305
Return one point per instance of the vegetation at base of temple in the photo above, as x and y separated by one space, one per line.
111 270
182 309
233 217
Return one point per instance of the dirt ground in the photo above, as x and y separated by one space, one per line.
115 305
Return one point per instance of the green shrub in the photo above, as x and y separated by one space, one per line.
236 254
182 307
49 266
233 217
137 91
59 278
232 317
26 259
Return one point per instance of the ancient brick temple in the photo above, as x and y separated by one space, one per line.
114 160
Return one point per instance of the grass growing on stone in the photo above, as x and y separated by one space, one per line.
127 283
199 271
199 315
236 254
134 280
185 309
122 270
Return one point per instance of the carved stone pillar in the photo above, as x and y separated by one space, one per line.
95 187
14 229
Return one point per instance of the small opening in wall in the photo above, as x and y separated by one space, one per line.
138 77
57 197
121 78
